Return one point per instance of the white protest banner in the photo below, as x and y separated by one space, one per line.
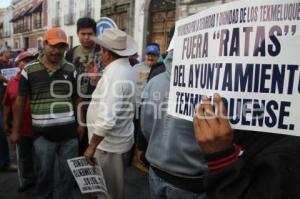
248 52
89 178
8 73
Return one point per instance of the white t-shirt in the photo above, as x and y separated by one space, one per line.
111 110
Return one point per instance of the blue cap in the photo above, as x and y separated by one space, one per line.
152 49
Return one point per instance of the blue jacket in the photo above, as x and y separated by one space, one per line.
172 147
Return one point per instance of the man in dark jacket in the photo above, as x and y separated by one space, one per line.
244 164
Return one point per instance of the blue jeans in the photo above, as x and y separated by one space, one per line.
26 163
160 189
46 153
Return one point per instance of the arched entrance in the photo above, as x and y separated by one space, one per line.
160 21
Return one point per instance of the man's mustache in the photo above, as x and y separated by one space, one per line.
57 54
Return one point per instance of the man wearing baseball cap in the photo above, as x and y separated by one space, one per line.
24 136
5 164
142 72
50 85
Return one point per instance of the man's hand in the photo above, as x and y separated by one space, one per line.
89 155
212 131
6 129
3 79
90 151
139 154
14 137
93 73
80 131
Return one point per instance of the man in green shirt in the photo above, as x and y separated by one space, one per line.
50 84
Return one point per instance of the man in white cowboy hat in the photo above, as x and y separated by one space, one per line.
111 111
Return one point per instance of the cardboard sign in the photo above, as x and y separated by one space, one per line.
248 52
89 178
8 73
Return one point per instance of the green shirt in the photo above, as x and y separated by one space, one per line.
80 59
51 94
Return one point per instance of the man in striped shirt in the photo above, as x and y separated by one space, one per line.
50 84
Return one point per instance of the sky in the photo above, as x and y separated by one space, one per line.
4 3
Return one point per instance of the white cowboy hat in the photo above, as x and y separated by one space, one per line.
117 41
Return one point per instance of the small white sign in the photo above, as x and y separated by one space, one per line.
8 73
89 178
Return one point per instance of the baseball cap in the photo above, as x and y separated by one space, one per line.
23 55
55 36
152 49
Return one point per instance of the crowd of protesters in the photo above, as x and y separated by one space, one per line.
116 105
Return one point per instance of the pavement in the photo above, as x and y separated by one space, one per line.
136 186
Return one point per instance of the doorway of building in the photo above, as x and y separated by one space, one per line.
161 21
26 42
119 11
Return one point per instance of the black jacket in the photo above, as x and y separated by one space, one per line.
269 168
156 69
